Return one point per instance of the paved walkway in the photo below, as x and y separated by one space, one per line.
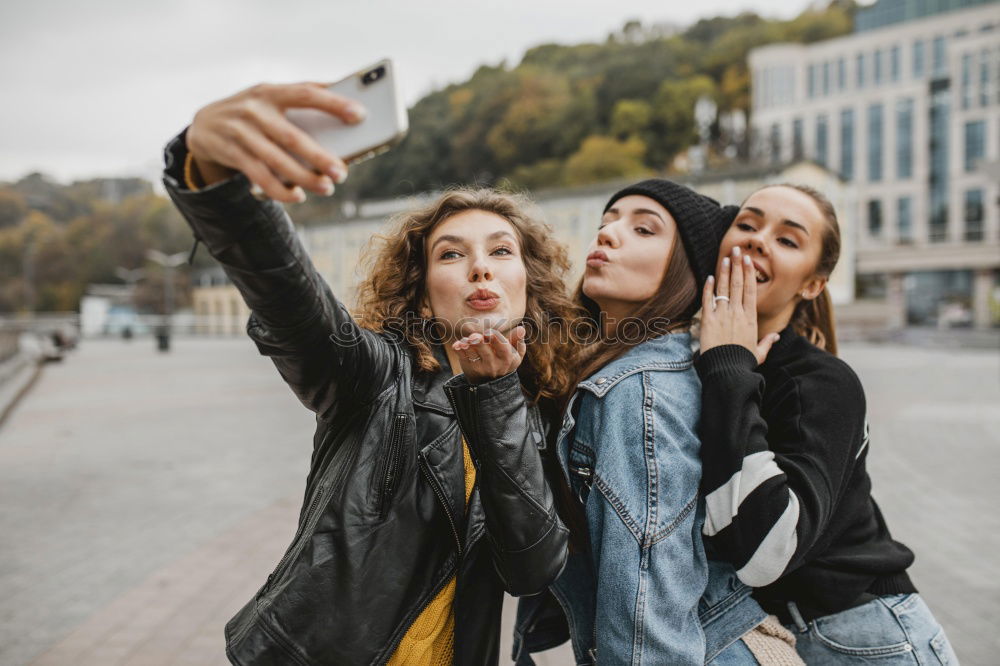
144 497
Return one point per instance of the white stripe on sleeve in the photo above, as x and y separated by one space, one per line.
723 503
771 558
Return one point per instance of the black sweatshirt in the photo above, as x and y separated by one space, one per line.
788 496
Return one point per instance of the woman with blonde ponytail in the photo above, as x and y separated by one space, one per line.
785 441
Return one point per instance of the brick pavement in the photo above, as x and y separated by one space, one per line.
88 581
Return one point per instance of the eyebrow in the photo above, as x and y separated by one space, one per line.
637 211
448 238
791 223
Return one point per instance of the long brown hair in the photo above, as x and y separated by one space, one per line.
813 319
394 288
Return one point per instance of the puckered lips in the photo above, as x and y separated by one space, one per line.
483 299
597 258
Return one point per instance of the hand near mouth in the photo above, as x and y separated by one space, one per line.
729 308
490 355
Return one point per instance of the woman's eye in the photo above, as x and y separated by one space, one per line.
450 254
788 242
743 226
503 250
643 231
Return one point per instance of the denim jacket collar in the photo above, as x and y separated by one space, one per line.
666 352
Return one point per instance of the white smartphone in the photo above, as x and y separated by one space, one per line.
384 126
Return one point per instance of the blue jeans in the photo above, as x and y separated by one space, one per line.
737 654
890 630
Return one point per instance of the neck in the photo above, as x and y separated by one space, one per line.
614 313
774 323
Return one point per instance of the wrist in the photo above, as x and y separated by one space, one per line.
210 172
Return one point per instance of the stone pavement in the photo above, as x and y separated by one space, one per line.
144 497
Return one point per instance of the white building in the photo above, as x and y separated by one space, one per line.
907 109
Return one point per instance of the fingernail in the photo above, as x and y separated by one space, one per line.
746 259
299 194
328 187
725 262
356 112
338 173
736 250
711 279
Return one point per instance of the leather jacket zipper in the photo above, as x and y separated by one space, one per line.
390 475
450 392
279 569
444 505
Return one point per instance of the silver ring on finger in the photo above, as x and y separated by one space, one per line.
716 299
474 360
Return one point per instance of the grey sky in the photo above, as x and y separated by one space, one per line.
95 88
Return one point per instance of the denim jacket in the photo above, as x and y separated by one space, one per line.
630 449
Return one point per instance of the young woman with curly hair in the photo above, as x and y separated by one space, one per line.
410 530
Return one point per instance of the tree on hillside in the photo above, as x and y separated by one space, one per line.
603 158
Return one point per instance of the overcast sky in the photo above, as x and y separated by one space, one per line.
95 88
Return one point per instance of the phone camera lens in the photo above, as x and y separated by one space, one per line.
373 75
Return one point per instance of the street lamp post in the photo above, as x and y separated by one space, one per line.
169 262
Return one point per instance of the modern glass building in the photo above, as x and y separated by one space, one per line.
907 110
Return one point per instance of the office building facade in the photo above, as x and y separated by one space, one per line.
906 109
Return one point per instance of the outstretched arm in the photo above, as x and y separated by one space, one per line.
317 347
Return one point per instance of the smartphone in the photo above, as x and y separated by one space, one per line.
384 126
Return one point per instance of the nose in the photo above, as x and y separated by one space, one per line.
607 236
480 270
755 243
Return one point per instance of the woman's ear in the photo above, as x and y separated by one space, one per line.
813 287
425 309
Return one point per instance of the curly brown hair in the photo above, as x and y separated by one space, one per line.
393 289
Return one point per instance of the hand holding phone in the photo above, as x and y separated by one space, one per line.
250 132
385 123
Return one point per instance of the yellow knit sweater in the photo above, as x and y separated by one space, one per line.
430 640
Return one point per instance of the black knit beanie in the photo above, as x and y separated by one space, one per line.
701 221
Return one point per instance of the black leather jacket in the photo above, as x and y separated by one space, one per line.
384 524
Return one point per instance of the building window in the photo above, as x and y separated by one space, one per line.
940 63
975 143
918 59
894 63
775 143
875 143
859 70
974 215
984 78
821 140
841 74
878 67
826 78
904 138
797 147
875 218
847 144
939 114
811 81
904 219
966 81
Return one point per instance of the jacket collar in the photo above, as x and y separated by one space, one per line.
670 352
428 387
